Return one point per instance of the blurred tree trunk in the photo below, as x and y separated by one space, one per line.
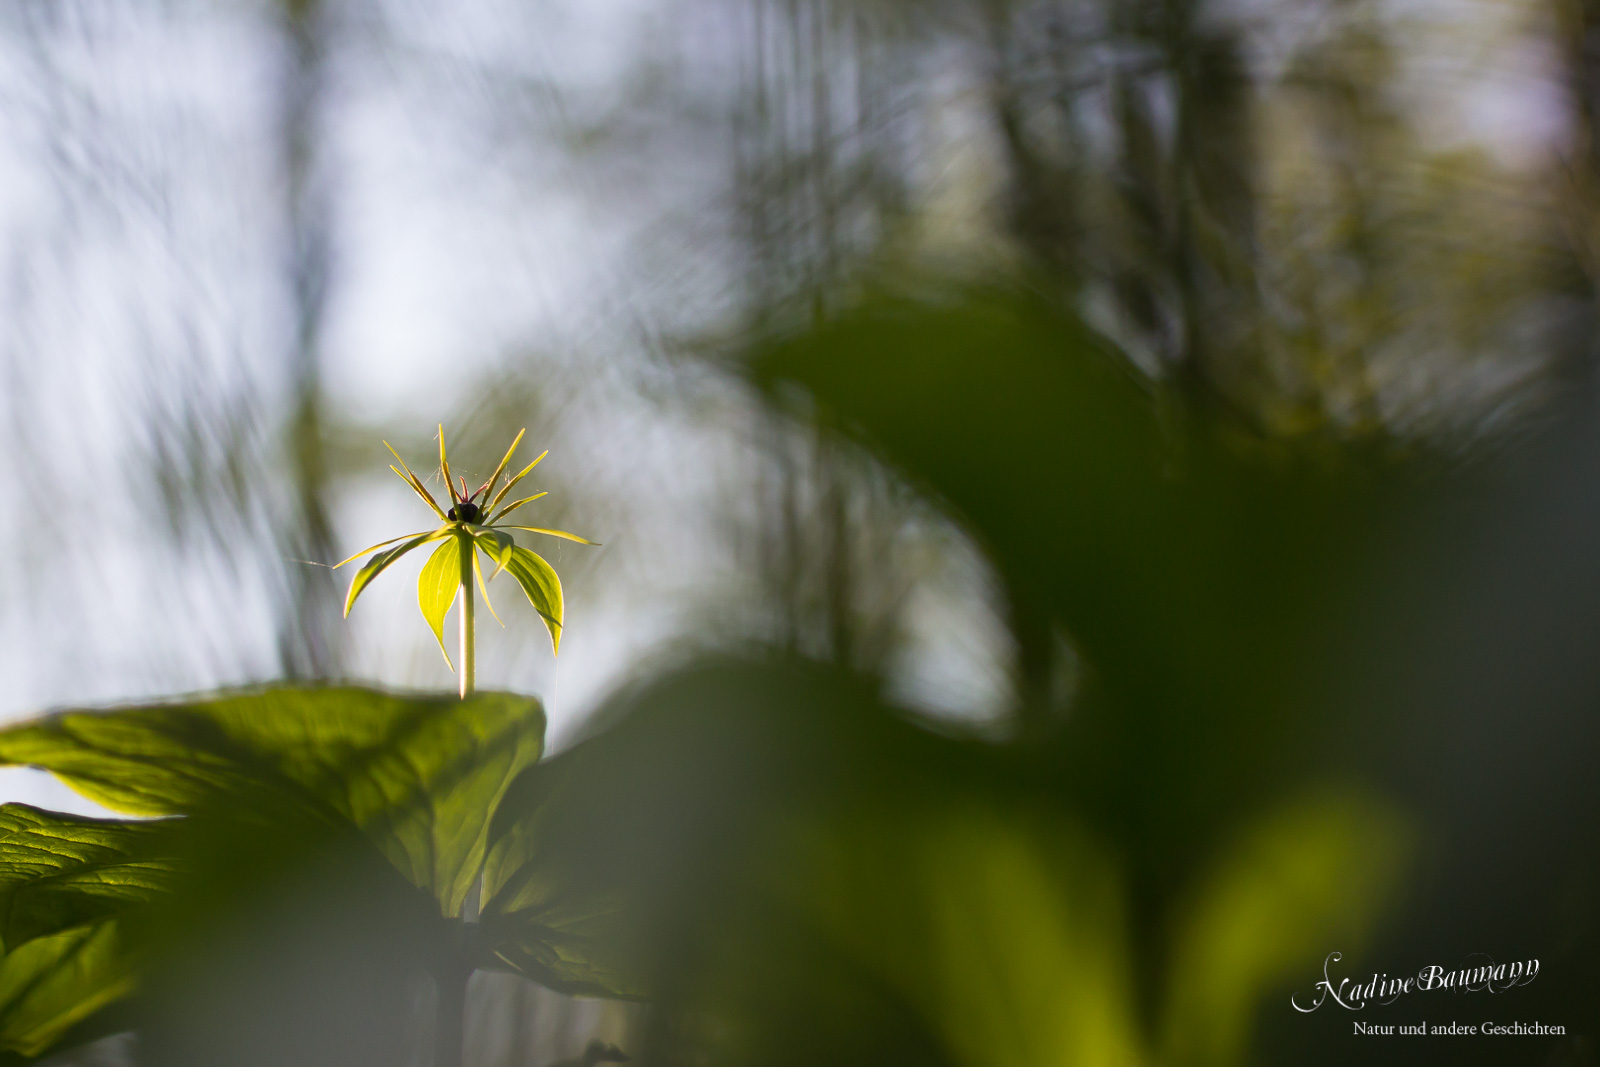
1582 39
815 182
1162 218
309 636
1579 200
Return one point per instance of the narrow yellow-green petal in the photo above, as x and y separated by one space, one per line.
543 588
409 474
416 483
437 586
444 468
501 495
416 487
552 533
509 508
495 477
375 566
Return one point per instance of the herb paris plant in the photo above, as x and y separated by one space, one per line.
470 525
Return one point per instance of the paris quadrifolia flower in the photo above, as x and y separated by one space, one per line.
475 522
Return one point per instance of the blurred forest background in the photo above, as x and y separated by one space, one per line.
1134 390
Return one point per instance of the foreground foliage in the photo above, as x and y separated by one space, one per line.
411 781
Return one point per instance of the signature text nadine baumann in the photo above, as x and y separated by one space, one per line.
1355 994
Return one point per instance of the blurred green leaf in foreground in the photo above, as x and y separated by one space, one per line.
67 886
804 876
336 797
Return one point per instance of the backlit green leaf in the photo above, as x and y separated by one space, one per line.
378 563
58 871
1312 874
1005 933
419 776
437 586
496 545
64 882
543 588
53 983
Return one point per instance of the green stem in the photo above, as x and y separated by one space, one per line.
450 1021
450 1017
469 667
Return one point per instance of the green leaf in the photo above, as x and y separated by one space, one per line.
538 920
58 871
51 984
496 545
543 588
419 776
437 586
64 882
378 563
1312 874
1006 932
553 533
